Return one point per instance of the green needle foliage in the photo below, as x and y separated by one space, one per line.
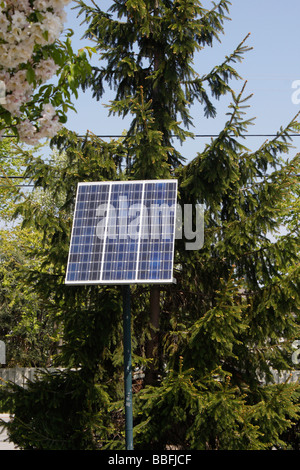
231 319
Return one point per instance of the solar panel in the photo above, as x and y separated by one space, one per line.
123 233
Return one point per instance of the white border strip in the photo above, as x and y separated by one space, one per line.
141 229
105 232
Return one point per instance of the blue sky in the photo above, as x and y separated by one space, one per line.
270 69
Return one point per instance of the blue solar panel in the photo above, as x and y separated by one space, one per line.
123 233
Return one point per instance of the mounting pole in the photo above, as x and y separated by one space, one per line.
127 368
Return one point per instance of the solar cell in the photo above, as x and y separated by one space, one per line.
123 233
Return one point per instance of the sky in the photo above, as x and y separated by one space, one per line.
271 69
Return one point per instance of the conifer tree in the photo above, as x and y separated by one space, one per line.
231 319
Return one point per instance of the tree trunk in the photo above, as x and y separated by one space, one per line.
152 345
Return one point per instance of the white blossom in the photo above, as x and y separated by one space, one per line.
48 111
19 19
16 31
27 132
45 69
53 25
21 5
4 23
18 37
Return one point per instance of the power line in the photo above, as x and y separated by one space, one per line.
115 136
195 135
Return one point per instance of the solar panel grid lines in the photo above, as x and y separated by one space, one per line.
123 233
142 227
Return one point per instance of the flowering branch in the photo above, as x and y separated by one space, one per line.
29 33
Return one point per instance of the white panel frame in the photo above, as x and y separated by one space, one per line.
125 281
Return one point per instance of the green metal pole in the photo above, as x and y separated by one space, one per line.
127 368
